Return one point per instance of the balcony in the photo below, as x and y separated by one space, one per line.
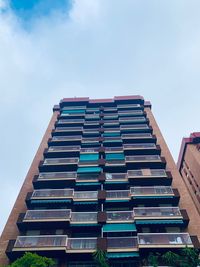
42 242
55 215
134 120
120 216
46 176
125 113
157 191
137 137
145 161
81 218
119 244
81 245
135 128
62 150
147 173
114 149
65 140
118 195
139 146
52 194
69 129
116 177
61 161
129 106
63 122
164 240
111 130
157 213
85 196
73 108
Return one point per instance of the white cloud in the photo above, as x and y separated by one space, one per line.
103 48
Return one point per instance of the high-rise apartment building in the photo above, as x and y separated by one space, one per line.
189 166
102 179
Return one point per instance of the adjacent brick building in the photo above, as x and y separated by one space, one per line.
102 178
189 166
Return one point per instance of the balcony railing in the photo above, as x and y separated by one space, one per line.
164 240
122 243
84 217
57 175
154 212
151 190
117 194
66 138
139 146
119 216
42 241
74 121
147 158
69 129
61 161
113 149
89 150
132 119
136 127
147 173
116 176
73 108
85 195
63 148
136 136
47 215
52 193
82 244
130 106
130 113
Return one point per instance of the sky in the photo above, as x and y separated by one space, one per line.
98 48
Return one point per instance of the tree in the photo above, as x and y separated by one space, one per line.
153 259
101 258
32 260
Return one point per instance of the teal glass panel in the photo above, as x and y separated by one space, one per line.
159 221
89 157
73 111
88 169
111 134
115 156
119 227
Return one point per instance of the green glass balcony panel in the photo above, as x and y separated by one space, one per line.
89 170
115 156
89 157
111 134
73 111
119 227
51 201
159 222
122 255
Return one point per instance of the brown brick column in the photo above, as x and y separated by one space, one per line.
11 231
186 201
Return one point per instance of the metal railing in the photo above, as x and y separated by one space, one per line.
57 175
151 190
157 212
43 215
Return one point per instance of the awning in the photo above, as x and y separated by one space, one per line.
88 169
51 201
85 202
89 183
123 255
119 227
159 221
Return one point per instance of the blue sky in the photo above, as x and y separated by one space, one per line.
96 48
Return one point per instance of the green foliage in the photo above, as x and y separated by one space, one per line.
100 258
153 259
171 258
189 257
32 260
